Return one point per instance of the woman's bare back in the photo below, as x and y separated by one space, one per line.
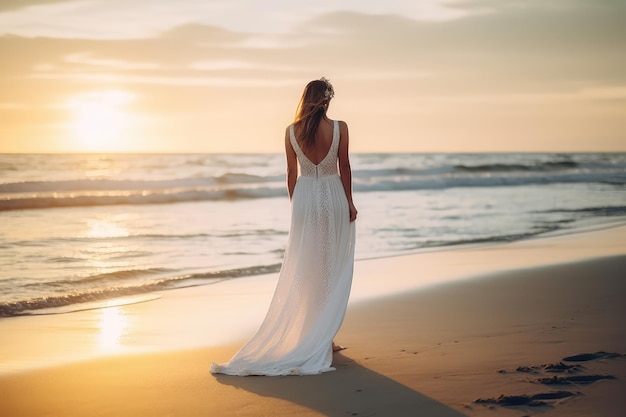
323 141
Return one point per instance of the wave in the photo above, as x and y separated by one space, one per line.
486 240
129 185
90 294
136 198
44 243
381 173
113 277
5 166
542 166
403 182
604 211
438 182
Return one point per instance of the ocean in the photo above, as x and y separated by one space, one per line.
78 230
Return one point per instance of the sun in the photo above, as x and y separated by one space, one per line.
101 121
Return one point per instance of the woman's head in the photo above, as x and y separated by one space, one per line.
315 98
312 108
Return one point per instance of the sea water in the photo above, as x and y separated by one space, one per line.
80 228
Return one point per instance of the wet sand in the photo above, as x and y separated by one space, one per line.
495 330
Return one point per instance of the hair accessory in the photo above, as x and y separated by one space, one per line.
330 91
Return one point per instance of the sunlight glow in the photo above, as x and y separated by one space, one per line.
103 228
113 325
100 122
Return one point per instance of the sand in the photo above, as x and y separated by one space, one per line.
426 335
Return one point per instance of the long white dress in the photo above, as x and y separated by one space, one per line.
311 296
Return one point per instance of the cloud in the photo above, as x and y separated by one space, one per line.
10 5
519 45
184 81
195 32
498 58
87 58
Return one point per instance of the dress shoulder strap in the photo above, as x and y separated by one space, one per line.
292 139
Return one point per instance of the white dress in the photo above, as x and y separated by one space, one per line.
311 296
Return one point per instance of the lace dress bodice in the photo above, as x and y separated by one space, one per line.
328 165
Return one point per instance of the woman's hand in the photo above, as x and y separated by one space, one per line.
353 212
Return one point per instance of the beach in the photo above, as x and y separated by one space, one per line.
154 221
513 329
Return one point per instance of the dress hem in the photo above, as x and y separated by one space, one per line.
225 370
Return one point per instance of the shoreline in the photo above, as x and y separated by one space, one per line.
486 326
147 296
194 317
596 227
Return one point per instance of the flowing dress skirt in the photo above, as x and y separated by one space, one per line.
311 296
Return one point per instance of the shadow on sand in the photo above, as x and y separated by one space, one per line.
352 390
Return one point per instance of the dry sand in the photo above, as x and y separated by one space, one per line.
413 350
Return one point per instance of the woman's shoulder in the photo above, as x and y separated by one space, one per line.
343 126
288 133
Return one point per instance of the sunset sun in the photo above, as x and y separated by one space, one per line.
100 120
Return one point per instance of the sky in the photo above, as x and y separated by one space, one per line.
227 75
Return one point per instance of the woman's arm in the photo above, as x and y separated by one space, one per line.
292 165
345 171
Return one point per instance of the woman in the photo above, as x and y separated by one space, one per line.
309 303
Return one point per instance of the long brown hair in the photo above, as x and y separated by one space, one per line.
312 108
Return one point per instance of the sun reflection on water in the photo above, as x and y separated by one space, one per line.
106 228
113 325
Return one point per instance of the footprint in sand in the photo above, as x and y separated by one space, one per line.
548 399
